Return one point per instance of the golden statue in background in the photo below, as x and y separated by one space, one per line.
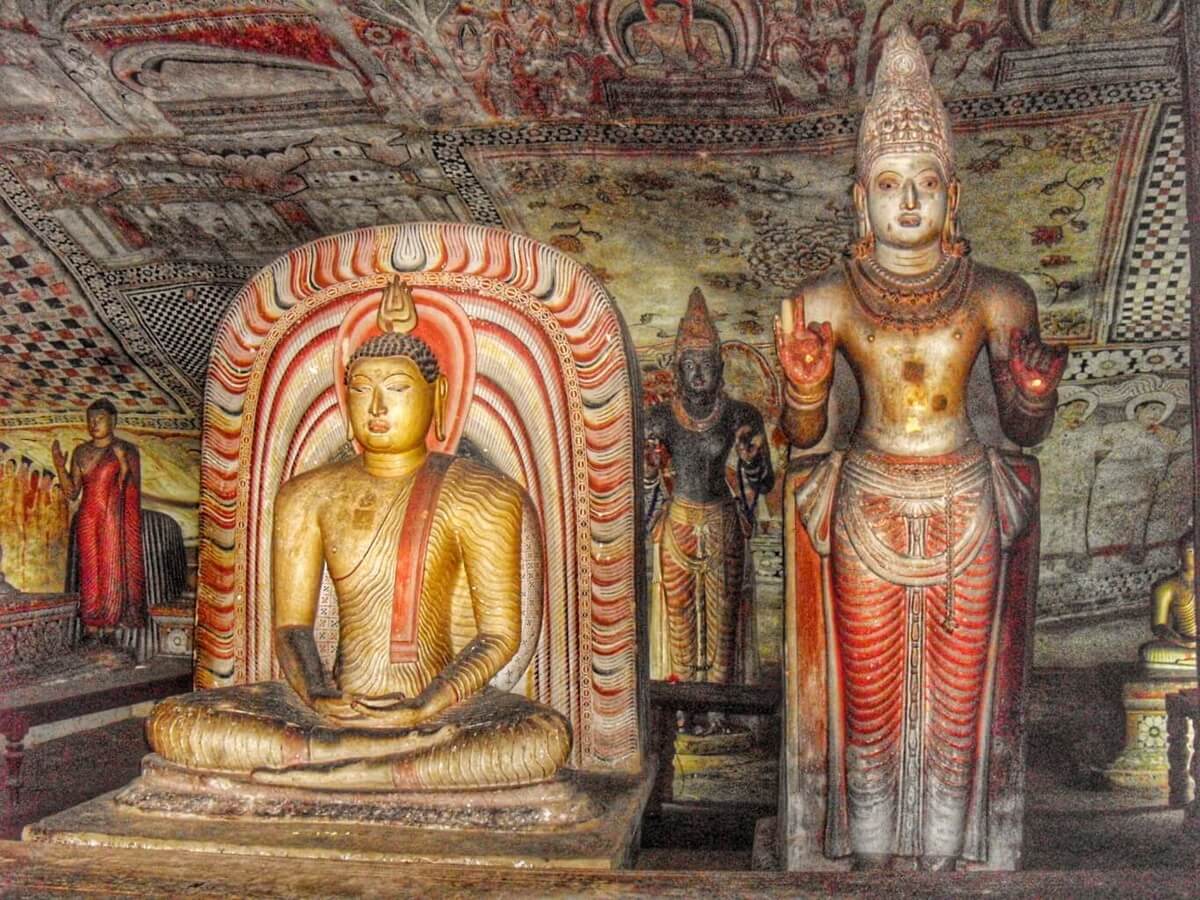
403 532
1172 653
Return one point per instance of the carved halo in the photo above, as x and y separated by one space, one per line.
1167 399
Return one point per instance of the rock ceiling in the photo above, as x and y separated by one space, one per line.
155 153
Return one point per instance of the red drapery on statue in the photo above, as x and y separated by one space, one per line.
107 536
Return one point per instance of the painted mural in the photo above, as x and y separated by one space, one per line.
154 155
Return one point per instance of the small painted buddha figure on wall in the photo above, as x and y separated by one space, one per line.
910 580
701 623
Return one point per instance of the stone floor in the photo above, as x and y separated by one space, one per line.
1071 823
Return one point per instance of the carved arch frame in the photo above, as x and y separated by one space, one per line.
555 405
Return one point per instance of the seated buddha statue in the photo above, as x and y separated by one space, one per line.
402 531
1172 653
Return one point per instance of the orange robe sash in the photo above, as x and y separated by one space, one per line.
410 555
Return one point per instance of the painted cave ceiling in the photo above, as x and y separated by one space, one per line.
155 154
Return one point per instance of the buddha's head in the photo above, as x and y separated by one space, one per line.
101 419
1074 413
395 390
906 192
1150 413
1187 551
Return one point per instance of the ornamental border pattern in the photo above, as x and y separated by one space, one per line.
448 148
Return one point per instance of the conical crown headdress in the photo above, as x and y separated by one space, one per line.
904 114
696 329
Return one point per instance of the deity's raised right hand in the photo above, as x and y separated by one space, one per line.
805 350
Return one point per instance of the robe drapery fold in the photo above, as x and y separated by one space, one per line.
702 611
916 552
410 556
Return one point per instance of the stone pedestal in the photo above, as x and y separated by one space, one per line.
1143 764
346 830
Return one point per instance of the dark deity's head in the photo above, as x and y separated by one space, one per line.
698 365
698 373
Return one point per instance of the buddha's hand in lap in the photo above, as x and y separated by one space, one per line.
339 707
390 712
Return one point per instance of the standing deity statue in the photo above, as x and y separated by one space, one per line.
1172 653
702 555
903 572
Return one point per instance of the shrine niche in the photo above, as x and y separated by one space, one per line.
702 605
683 52
493 309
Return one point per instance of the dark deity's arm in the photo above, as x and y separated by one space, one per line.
754 456
296 563
657 449
1025 371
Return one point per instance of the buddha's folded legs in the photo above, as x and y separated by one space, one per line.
265 732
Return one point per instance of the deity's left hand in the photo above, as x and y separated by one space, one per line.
1036 367
749 445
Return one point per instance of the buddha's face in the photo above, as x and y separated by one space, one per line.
907 199
100 424
390 404
1074 414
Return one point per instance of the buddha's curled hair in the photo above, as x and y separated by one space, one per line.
391 344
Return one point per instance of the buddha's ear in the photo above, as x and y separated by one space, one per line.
441 390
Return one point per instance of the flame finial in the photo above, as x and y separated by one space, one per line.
397 311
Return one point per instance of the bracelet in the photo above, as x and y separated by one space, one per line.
806 401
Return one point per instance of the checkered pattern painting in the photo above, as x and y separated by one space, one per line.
54 355
182 318
1153 295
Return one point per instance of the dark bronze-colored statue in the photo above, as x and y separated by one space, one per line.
700 536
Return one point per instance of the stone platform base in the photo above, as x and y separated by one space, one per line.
168 789
1143 764
607 840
